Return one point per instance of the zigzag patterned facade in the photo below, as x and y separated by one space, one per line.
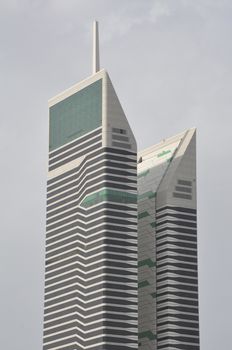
121 264
167 245
91 239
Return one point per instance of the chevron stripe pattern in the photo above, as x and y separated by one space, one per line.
167 246
91 242
91 253
177 279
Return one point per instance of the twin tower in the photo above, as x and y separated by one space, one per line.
121 240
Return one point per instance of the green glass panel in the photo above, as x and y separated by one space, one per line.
75 116
144 173
147 262
153 295
143 284
148 194
153 224
147 334
143 215
109 195
163 153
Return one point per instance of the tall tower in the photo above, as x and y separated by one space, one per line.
91 237
167 245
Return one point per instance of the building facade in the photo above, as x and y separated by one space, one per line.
167 245
91 238
121 257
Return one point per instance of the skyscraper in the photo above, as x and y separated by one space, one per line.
91 237
167 245
121 264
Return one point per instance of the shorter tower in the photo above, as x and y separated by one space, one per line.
167 245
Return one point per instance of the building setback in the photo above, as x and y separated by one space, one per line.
167 245
91 237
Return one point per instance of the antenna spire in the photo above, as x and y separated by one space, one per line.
96 58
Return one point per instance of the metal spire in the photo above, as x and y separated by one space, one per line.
96 58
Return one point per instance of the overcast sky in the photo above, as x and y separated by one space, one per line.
170 62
